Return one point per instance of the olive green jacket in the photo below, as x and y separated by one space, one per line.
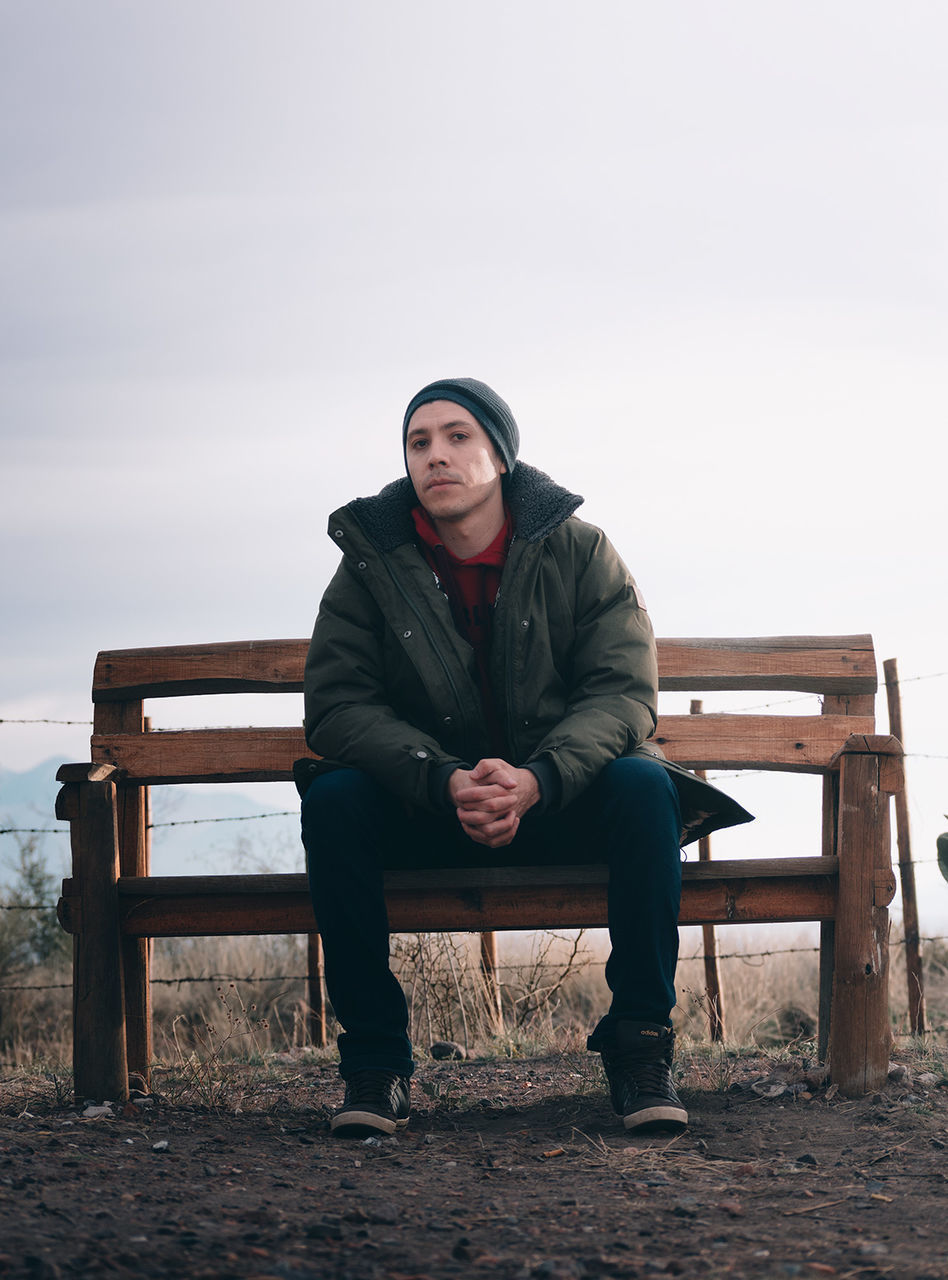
392 688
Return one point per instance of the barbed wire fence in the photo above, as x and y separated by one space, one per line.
256 978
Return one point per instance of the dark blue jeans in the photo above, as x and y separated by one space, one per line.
353 829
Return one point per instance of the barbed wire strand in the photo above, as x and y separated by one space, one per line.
4 720
247 817
759 706
251 978
34 831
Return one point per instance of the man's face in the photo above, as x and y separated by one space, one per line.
451 461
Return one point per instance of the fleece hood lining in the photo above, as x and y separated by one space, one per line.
537 504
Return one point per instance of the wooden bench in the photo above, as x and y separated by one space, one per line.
112 906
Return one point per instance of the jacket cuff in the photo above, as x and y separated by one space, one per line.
548 780
438 778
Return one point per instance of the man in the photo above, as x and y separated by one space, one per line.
481 685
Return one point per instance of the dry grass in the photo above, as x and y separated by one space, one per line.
244 999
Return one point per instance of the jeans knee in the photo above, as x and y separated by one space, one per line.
640 781
339 789
336 803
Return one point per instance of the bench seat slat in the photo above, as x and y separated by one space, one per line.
802 744
762 890
465 877
808 664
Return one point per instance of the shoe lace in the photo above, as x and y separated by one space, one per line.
372 1087
650 1075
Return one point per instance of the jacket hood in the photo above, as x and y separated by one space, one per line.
538 505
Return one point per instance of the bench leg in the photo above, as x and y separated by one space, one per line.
827 952
860 1035
135 860
100 1067
136 964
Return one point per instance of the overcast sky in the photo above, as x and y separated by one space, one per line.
699 248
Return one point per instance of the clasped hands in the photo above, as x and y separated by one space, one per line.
490 800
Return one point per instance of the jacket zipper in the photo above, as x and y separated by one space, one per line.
428 636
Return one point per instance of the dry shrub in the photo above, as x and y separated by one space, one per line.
541 986
244 996
769 982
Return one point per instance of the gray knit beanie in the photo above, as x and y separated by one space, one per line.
480 400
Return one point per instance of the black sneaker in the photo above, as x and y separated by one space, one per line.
375 1102
638 1067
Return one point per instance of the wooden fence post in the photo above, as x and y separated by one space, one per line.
491 979
712 976
913 955
316 990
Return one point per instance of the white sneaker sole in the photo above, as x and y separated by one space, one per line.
668 1118
366 1121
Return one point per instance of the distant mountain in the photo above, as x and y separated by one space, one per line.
38 786
183 839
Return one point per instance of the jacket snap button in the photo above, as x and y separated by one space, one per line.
337 533
405 635
525 623
421 755
447 720
362 564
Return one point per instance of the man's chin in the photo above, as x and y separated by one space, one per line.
443 506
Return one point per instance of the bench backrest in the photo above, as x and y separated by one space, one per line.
841 669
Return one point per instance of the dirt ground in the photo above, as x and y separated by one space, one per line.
510 1169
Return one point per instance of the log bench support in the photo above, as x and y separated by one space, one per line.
92 915
114 908
870 770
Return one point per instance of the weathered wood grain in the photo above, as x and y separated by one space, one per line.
99 1043
245 666
469 898
462 878
131 804
808 664
203 755
860 1034
914 972
545 906
799 744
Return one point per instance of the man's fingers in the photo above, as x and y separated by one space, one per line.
484 789
493 836
482 817
499 772
489 800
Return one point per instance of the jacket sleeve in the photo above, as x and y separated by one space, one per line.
613 694
348 717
